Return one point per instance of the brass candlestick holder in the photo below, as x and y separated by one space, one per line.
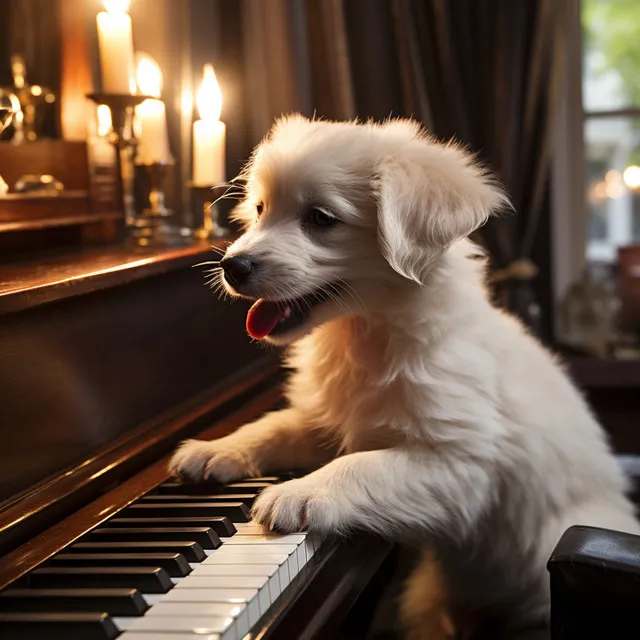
149 226
32 101
6 116
207 202
122 137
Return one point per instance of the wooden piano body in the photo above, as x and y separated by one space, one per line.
106 363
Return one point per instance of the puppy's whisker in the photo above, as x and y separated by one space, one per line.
234 195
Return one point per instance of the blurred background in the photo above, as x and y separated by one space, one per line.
547 92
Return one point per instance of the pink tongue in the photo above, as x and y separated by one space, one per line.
262 318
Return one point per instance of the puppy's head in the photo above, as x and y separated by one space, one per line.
338 216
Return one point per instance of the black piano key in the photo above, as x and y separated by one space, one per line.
115 602
192 551
175 564
57 626
205 537
145 579
222 526
245 498
207 488
235 511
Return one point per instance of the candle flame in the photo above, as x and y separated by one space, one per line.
117 6
104 120
149 76
209 97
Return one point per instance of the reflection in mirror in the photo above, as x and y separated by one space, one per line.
29 68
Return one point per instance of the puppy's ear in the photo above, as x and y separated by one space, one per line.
429 195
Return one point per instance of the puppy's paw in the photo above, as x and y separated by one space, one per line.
298 505
196 461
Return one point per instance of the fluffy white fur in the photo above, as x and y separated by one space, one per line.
438 415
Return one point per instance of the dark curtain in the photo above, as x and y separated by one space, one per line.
483 72
487 72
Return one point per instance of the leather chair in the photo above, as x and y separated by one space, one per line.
595 583
595 579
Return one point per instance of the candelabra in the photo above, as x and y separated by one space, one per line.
122 137
207 202
148 226
6 116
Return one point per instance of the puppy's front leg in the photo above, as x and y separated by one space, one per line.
393 492
278 441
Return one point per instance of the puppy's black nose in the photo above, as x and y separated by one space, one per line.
237 269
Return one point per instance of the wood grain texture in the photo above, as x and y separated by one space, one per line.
32 282
64 531
85 369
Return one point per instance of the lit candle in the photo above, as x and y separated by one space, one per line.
209 134
115 41
153 144
100 147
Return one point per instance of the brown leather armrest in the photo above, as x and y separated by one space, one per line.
595 585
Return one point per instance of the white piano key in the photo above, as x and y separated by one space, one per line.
259 557
313 538
261 583
270 571
264 547
231 596
251 527
281 559
160 625
297 555
123 623
301 540
293 538
205 609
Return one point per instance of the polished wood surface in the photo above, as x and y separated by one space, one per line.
40 548
93 364
66 161
29 283
29 512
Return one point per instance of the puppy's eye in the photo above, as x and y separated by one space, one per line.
259 209
321 218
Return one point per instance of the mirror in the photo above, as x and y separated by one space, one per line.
29 67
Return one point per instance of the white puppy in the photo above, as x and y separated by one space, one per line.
440 418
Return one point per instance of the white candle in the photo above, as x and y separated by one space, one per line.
209 134
153 144
115 42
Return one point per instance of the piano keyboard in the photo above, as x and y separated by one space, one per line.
183 562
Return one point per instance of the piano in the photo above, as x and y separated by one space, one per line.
107 361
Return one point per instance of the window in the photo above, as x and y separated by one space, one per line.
611 110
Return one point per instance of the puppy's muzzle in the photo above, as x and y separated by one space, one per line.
237 269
